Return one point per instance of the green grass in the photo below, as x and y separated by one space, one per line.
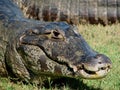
102 39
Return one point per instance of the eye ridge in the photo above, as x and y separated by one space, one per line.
47 33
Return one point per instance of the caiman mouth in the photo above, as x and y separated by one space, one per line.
88 73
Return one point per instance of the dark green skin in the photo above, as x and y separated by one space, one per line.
30 49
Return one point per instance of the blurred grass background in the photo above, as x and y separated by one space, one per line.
105 40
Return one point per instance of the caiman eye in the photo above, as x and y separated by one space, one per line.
55 35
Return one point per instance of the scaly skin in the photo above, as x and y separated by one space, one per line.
73 11
30 49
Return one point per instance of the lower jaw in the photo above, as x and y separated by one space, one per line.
85 75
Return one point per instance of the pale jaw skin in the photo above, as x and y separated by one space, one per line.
97 74
92 72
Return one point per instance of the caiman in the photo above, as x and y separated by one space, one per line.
31 48
73 11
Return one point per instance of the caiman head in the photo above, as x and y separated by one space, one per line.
58 49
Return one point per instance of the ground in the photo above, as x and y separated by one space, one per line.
105 40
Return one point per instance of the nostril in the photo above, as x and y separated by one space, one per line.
103 68
100 62
109 66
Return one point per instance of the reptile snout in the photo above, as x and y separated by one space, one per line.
96 66
98 62
103 62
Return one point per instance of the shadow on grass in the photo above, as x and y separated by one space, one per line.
72 83
62 83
